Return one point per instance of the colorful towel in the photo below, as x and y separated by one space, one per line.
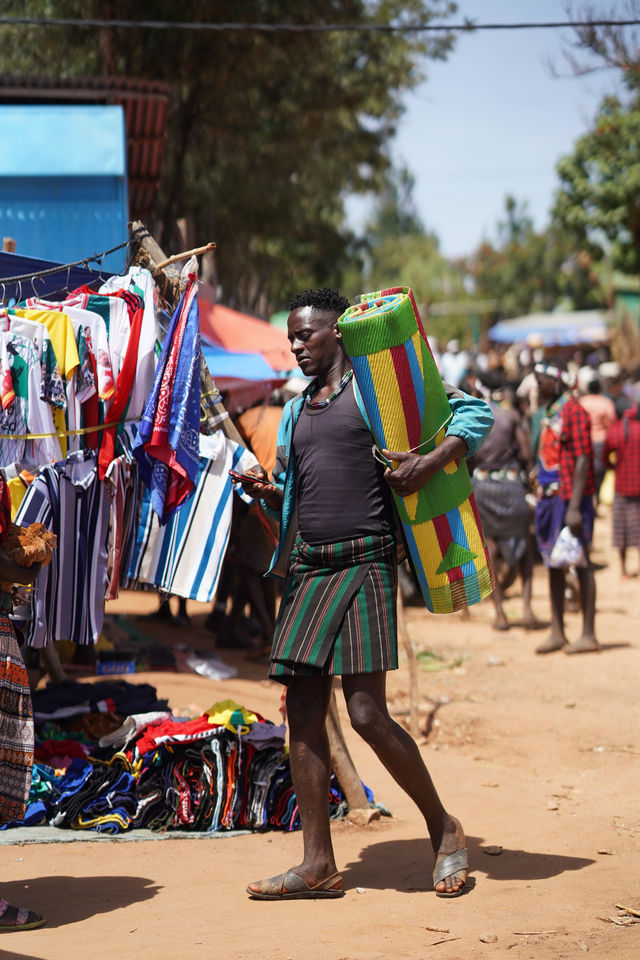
167 445
408 409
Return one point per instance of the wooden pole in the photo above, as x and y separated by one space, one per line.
407 643
196 252
359 810
152 256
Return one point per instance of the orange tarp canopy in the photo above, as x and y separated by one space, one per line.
240 333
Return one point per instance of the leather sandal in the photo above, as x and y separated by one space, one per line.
451 865
24 919
289 886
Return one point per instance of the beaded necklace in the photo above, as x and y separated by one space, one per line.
319 404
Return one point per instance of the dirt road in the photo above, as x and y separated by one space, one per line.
536 755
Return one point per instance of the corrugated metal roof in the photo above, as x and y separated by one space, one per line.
145 104
61 139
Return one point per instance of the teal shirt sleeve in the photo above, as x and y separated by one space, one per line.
471 421
279 473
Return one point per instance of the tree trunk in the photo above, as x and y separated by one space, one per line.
359 810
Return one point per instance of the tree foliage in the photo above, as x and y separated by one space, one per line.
268 132
598 201
599 46
527 271
399 250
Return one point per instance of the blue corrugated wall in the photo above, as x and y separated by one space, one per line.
63 186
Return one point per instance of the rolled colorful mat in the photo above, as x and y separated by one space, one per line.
408 409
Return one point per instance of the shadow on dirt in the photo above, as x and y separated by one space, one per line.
64 900
406 865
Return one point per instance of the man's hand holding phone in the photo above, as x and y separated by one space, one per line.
255 481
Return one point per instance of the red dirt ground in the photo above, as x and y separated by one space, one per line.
536 755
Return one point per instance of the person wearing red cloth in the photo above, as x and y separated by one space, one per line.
565 499
621 451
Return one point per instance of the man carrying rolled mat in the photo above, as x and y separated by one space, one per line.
338 553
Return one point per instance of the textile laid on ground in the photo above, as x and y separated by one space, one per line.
167 444
185 556
68 599
225 770
408 410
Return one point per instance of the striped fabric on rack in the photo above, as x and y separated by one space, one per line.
185 556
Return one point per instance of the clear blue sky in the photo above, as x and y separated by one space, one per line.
492 120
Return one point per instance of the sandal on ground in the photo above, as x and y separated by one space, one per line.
23 920
454 865
551 645
289 886
583 646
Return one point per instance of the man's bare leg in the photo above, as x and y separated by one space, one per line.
307 706
587 642
623 561
365 695
500 622
557 639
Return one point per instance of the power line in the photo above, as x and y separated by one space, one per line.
466 27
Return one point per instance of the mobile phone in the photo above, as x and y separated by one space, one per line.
247 477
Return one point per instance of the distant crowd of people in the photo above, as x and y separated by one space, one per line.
562 419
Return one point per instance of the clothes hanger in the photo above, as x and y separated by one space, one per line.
36 295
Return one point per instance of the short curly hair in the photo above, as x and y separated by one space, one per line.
327 300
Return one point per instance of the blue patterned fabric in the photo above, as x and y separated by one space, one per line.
168 439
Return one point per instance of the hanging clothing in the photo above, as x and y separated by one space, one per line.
122 480
52 389
139 281
185 556
127 322
95 336
27 413
167 444
68 599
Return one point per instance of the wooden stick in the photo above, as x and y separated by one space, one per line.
414 716
184 256
359 810
153 257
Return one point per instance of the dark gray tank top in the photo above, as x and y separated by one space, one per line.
342 493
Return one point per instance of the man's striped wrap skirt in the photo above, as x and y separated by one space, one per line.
338 610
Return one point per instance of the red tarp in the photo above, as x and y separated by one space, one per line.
240 333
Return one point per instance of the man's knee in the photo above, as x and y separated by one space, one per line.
304 707
366 717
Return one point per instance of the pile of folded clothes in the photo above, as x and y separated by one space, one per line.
111 757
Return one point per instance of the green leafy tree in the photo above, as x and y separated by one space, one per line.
398 250
526 271
598 201
268 132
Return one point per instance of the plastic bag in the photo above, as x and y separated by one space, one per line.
567 551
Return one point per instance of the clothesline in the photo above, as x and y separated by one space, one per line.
67 433
64 266
99 257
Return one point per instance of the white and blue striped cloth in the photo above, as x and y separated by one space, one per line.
185 556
